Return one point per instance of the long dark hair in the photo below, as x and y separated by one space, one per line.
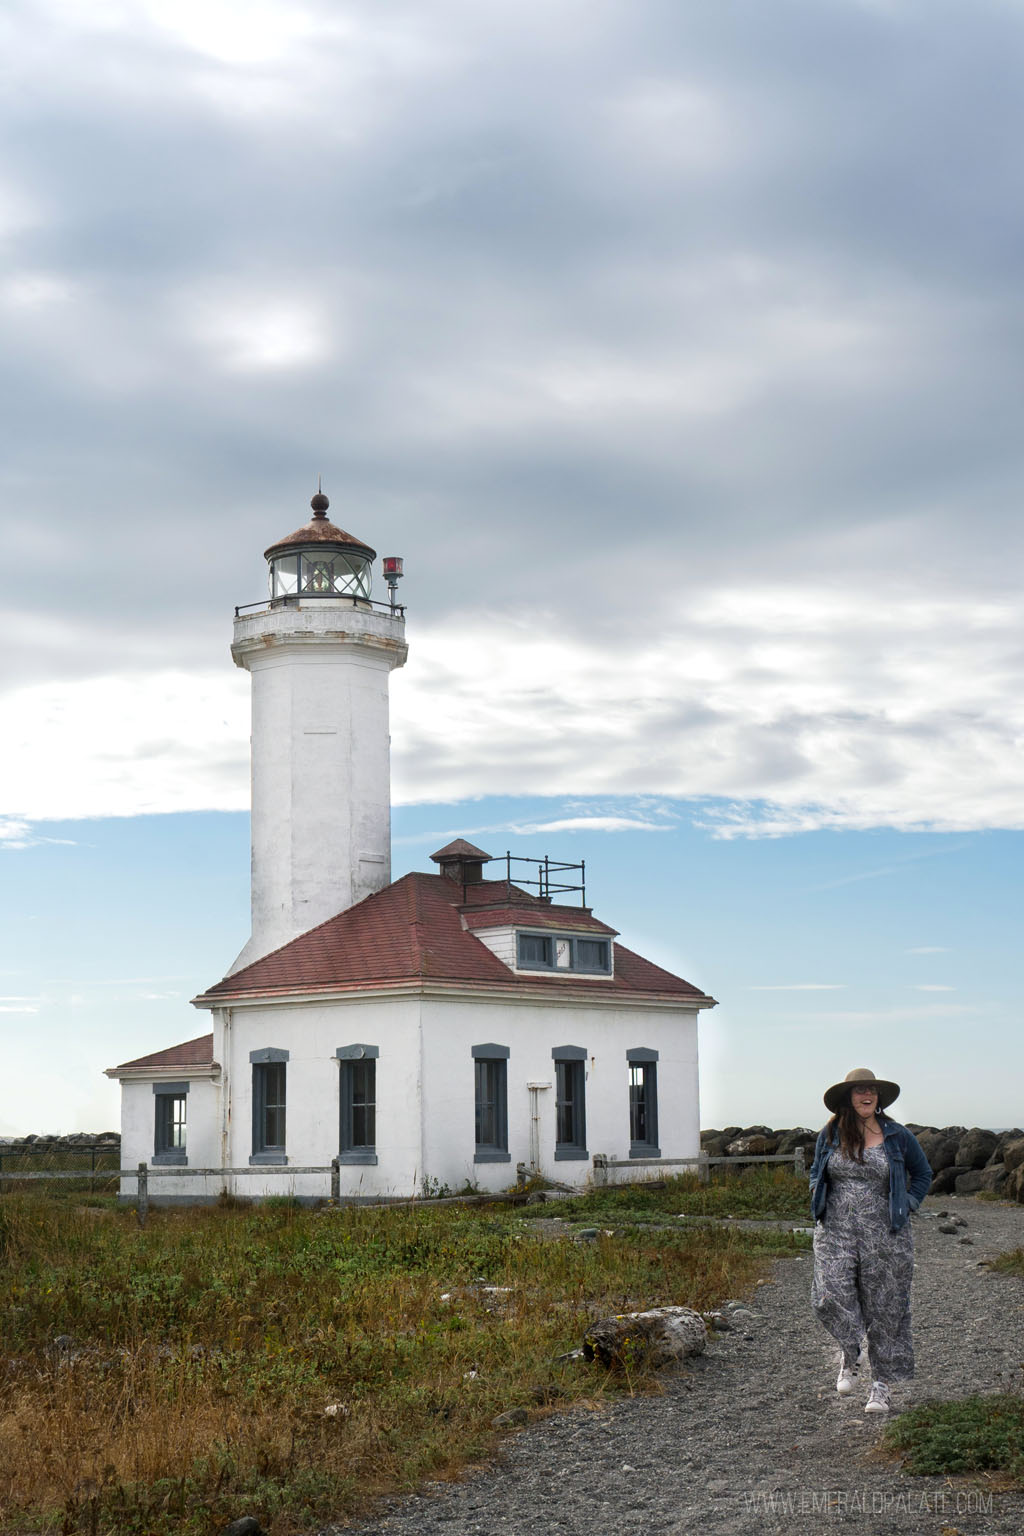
851 1128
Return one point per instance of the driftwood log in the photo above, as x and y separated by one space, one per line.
646 1338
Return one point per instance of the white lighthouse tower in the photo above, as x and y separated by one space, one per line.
319 654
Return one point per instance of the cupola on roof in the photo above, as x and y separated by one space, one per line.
459 849
461 861
320 530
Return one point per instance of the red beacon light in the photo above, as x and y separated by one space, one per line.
392 567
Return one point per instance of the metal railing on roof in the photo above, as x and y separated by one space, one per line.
295 599
549 880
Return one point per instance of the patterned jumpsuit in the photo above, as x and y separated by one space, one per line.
862 1270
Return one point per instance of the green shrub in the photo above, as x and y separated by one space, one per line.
972 1434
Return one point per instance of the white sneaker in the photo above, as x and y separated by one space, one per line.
844 1385
879 1400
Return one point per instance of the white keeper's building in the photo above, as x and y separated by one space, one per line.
451 1028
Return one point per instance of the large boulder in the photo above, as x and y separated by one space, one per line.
976 1179
752 1146
976 1148
945 1180
799 1137
646 1338
714 1146
1013 1189
1013 1153
939 1148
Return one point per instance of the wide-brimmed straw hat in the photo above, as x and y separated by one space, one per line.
861 1077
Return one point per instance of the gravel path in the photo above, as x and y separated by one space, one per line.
752 1438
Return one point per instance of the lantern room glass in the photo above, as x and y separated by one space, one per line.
320 573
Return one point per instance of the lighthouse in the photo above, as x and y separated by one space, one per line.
379 1038
320 653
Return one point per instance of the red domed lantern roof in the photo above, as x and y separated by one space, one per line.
320 530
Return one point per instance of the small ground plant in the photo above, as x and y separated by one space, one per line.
973 1434
1010 1263
294 1364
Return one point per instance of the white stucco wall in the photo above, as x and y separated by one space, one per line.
321 785
311 1034
451 1028
425 1086
202 1148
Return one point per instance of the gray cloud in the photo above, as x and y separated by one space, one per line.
603 317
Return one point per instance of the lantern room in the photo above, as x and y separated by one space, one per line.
319 560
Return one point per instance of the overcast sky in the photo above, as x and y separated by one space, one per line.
676 346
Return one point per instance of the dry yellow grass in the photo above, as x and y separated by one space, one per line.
203 1355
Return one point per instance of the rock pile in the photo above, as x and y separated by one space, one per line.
757 1141
964 1161
107 1140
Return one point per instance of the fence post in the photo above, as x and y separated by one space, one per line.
335 1179
703 1168
142 1195
799 1167
600 1169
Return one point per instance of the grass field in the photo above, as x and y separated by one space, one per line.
294 1364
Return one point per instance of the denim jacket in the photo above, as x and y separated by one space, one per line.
909 1173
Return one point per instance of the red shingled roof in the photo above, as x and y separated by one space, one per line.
193 1053
417 930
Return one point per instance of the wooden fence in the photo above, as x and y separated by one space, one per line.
143 1173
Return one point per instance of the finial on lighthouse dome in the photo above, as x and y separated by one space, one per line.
319 560
319 502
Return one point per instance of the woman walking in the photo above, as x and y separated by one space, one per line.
868 1174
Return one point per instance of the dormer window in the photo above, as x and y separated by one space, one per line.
591 955
563 952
